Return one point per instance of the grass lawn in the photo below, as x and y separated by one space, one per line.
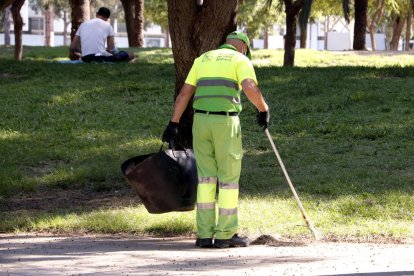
343 124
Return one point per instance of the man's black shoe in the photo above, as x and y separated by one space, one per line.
235 241
204 243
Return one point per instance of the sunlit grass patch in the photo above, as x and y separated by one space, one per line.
312 58
115 220
10 134
344 218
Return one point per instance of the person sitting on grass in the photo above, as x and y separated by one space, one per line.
89 42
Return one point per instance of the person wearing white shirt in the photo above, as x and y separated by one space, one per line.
94 41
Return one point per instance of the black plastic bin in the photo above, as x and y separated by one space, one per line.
165 181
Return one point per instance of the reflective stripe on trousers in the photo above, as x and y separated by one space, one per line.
218 152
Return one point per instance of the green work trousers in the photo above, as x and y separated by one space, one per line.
218 153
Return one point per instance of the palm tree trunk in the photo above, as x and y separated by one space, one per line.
139 22
408 31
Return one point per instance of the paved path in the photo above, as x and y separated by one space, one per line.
120 255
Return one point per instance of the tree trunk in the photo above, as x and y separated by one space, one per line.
129 21
80 13
49 26
65 28
167 38
361 10
292 10
408 31
266 38
371 33
18 26
371 26
134 21
290 39
326 29
303 36
139 22
194 30
397 27
7 25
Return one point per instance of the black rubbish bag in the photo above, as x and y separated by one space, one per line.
165 181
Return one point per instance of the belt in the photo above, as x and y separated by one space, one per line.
224 113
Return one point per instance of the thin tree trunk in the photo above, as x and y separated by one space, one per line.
167 38
249 34
65 28
266 38
408 31
7 25
375 18
303 36
397 27
326 29
292 10
371 33
194 30
18 26
48 25
361 10
80 13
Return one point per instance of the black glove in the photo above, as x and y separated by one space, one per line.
263 119
170 132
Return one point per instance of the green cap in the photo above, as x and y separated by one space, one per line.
243 37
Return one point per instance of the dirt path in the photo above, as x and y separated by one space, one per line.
132 255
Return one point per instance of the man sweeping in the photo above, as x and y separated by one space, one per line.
216 79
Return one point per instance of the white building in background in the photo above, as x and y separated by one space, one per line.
332 35
340 37
315 39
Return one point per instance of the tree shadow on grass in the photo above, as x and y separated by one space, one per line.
68 200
